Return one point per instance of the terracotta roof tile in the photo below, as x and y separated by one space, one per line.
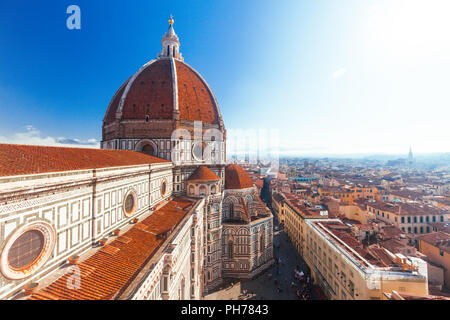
395 246
244 206
402 208
203 173
236 177
108 271
438 239
151 93
110 115
195 102
23 159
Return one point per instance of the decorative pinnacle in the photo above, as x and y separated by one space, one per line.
171 21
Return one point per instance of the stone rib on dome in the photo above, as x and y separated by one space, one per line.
237 178
110 114
195 100
203 173
151 93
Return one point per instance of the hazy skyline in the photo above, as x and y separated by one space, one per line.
332 77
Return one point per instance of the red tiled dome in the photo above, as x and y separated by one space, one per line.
203 173
236 177
153 92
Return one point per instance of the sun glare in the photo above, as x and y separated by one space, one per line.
409 29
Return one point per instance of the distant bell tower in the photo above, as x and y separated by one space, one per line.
410 157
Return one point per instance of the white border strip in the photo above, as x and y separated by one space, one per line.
174 84
135 75
208 87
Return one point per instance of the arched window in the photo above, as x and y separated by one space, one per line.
163 188
148 149
191 189
213 189
202 190
231 210
182 290
230 250
250 208
261 242
168 50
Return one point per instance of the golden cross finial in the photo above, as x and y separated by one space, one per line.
171 21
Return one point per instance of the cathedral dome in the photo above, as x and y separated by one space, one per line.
237 178
165 88
161 89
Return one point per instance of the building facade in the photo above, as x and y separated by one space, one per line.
247 236
345 270
296 214
436 246
411 218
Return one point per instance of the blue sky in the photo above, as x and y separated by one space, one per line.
333 77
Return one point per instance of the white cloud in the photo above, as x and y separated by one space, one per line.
339 73
32 136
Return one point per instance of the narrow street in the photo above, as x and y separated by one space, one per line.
276 282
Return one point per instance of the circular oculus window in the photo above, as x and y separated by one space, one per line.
27 249
198 151
130 203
